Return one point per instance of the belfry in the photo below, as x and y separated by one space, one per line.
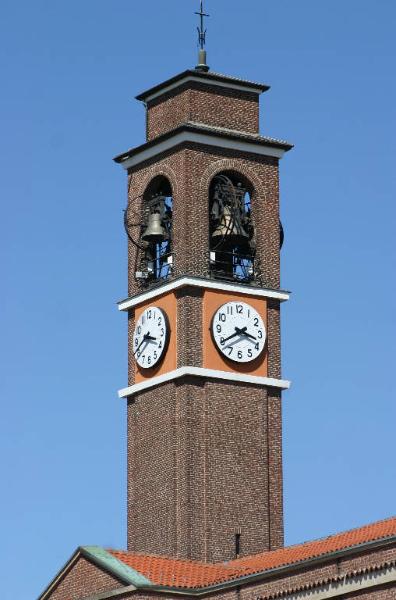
204 389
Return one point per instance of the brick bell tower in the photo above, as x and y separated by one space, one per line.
204 381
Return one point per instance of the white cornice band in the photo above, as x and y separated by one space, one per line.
209 82
207 374
201 138
210 284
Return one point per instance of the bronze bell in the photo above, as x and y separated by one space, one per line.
229 230
155 232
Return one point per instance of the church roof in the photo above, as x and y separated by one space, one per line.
187 574
138 571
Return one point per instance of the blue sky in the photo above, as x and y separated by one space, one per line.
70 71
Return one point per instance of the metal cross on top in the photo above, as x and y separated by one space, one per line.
202 30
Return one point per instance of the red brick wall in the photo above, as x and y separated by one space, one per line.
199 456
386 592
217 106
82 580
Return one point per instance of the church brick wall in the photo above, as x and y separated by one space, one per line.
199 457
189 319
200 103
275 469
274 339
386 592
82 580
152 478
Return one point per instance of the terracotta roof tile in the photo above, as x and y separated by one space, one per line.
177 573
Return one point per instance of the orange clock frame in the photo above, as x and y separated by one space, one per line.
211 357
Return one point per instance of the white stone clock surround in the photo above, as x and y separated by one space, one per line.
208 374
210 284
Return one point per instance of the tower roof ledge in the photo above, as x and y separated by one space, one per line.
207 77
209 131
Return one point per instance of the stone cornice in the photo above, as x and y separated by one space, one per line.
188 371
208 78
207 136
186 281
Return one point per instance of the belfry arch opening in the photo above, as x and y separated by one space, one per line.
156 230
231 230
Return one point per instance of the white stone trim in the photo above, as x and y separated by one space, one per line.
202 372
208 81
209 284
201 138
347 586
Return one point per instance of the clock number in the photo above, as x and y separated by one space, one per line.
149 314
222 341
160 346
256 322
257 346
222 317
239 309
155 355
230 349
260 334
159 321
149 360
250 353
136 341
139 330
139 354
240 355
229 310
218 328
162 332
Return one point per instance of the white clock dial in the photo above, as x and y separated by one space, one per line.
238 331
150 337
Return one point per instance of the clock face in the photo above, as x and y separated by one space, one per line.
150 337
238 332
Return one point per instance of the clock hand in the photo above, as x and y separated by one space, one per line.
145 338
237 332
250 335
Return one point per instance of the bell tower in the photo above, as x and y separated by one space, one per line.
204 381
